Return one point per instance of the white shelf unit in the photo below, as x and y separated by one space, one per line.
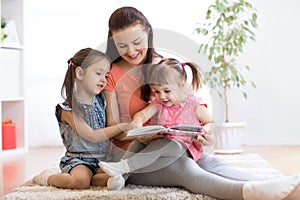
12 100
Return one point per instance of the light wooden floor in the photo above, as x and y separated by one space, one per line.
18 169
286 159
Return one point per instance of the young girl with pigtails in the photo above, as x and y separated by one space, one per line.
175 104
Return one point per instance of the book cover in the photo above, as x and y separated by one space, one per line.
147 131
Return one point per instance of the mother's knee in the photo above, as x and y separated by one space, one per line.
182 164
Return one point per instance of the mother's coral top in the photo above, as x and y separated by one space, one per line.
126 85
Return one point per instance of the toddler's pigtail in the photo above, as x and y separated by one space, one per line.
197 75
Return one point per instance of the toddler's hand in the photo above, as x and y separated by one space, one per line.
205 140
133 125
208 137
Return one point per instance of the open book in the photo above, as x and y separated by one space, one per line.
147 131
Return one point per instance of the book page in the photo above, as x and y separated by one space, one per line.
145 131
186 130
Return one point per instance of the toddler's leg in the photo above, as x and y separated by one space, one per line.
118 182
154 150
159 148
133 148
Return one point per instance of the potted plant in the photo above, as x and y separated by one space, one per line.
3 34
229 25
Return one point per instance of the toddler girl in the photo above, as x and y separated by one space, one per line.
175 104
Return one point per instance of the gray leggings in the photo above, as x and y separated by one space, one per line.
209 176
141 158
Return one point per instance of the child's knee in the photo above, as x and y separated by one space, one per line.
176 147
79 183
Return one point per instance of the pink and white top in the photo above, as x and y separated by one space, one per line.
182 114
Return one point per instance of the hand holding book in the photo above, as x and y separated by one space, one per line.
154 129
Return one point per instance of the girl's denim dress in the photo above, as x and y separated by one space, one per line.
78 150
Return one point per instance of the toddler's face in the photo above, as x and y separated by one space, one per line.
168 95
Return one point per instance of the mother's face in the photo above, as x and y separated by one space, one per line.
132 43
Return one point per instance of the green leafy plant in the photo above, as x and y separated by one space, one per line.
3 24
228 26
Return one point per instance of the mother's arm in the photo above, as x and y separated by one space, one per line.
112 108
112 112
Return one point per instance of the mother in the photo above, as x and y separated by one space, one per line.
130 46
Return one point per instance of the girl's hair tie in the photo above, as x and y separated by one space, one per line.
71 63
183 64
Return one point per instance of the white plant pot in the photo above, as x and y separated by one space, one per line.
229 137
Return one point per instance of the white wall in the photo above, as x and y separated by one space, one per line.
55 30
272 110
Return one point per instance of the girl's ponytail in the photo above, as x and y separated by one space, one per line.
197 75
69 81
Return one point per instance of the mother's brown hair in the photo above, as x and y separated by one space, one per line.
123 18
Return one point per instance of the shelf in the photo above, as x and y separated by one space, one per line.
11 46
13 152
15 111
12 100
11 64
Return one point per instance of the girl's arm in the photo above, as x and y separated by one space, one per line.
86 132
144 115
67 116
141 117
94 136
203 115
205 118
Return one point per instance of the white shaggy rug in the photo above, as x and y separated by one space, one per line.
252 163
